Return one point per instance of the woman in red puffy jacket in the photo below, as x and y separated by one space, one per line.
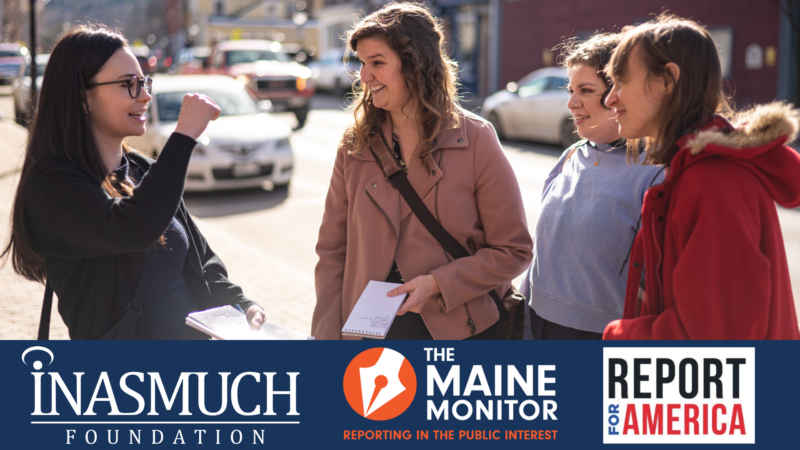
709 244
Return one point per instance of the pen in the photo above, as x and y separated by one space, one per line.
239 308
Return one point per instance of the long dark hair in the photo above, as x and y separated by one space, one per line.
61 130
698 92
430 75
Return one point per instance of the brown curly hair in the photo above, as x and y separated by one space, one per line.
594 52
430 75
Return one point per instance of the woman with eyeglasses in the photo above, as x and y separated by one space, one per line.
104 226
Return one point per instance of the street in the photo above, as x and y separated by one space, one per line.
267 238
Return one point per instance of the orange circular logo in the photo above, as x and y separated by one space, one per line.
380 384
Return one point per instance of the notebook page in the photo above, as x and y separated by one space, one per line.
226 322
375 311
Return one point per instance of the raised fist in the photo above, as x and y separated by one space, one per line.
196 111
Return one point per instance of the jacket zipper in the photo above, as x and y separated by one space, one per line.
436 202
659 292
470 322
394 252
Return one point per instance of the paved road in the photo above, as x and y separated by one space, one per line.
267 238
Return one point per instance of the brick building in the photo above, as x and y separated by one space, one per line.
758 55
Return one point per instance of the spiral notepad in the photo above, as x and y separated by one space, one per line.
375 311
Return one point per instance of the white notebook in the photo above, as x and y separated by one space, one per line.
375 311
228 323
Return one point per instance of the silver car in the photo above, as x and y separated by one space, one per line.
333 73
12 56
534 108
23 106
243 148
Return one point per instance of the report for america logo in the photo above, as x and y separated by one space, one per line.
679 395
379 384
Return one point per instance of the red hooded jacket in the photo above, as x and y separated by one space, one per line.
710 242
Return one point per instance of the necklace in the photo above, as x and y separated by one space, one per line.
600 154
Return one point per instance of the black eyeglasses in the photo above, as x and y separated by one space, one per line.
134 84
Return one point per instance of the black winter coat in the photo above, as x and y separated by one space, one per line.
94 245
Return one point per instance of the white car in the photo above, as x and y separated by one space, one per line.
334 74
243 148
23 108
534 108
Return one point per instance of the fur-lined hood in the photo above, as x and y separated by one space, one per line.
752 128
755 141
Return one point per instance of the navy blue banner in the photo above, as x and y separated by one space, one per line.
397 394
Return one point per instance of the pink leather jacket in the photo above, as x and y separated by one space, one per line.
469 186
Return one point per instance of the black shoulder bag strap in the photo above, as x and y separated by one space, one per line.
44 320
124 329
399 180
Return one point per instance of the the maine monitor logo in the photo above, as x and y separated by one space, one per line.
379 384
679 395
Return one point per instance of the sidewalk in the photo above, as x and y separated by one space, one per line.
20 300
285 293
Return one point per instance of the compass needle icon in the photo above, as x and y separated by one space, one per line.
381 382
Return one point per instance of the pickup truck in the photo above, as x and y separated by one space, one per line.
268 72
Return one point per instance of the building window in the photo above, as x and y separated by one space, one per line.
723 36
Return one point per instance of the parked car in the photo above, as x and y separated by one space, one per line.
192 60
534 108
12 56
333 73
243 148
21 89
268 72
145 58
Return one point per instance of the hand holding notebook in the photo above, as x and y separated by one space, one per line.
229 323
375 311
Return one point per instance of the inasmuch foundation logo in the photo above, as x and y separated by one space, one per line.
379 384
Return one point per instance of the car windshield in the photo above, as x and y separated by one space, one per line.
232 103
234 57
39 69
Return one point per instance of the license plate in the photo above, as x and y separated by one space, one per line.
246 169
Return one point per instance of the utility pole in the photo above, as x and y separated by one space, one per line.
34 97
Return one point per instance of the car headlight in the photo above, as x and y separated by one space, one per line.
244 79
301 84
283 143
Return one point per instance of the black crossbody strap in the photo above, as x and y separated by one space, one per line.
399 180
125 329
44 320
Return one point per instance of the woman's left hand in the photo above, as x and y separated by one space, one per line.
420 290
255 317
